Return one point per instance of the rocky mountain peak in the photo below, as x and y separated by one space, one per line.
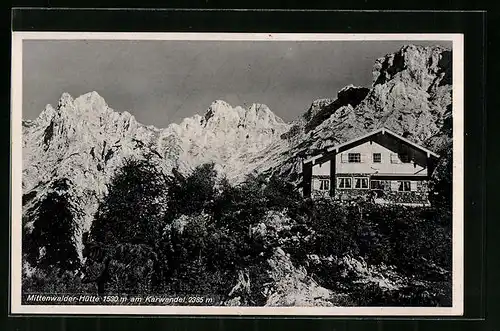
259 108
225 135
65 100
259 114
222 115
217 108
45 116
322 109
87 112
418 63
88 105
316 106
91 100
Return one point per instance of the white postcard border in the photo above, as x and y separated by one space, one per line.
16 180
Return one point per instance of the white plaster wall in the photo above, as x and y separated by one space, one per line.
367 166
321 169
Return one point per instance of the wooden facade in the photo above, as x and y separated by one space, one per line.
380 163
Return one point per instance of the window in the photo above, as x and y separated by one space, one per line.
354 157
377 185
344 182
324 184
377 157
361 183
404 186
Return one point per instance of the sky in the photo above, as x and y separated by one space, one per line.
162 82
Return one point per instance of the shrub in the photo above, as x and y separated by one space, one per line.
50 243
132 210
281 195
193 193
413 295
54 281
126 231
199 260
335 226
414 240
217 239
441 184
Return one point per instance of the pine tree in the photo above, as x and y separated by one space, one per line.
51 241
441 188
132 210
127 230
191 194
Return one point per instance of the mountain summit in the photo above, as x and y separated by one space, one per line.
225 135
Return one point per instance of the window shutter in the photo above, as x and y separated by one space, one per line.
394 185
413 185
395 158
343 158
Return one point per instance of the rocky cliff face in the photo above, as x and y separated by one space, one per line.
85 141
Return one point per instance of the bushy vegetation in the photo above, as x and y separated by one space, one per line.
55 281
415 241
131 211
409 238
198 234
48 242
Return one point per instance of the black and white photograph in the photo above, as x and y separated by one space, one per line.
177 173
